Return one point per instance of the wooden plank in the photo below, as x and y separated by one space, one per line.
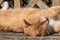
21 36
17 4
38 2
55 2
1 1
32 3
41 4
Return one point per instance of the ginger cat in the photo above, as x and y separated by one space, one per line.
23 19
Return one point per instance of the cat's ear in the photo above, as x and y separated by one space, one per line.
27 23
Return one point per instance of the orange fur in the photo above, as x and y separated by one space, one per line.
13 19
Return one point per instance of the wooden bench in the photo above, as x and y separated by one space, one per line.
21 36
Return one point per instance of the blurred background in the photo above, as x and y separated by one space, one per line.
24 3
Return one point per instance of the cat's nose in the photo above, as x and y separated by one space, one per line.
46 18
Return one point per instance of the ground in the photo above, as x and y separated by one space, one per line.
21 36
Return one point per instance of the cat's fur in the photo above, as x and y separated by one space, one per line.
26 20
